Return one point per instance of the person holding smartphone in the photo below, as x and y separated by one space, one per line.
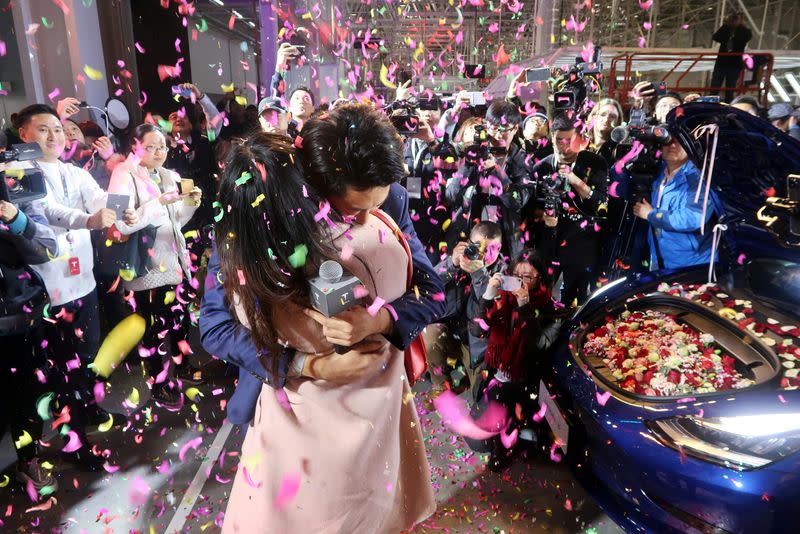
519 319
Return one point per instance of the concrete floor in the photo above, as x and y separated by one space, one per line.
153 490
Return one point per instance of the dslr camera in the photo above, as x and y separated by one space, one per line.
644 167
22 185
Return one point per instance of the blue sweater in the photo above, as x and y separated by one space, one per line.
223 336
676 220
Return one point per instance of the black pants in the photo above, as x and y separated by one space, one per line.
577 279
19 391
726 77
72 344
165 326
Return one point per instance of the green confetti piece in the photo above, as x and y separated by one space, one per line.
47 490
87 3
298 257
46 311
165 125
211 134
202 27
43 406
46 23
218 216
244 178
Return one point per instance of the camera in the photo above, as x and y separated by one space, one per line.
22 185
572 88
472 252
644 167
404 118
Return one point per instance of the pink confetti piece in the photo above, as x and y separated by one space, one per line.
612 189
438 297
283 399
184 347
741 258
53 94
178 45
290 485
231 22
647 26
642 41
538 416
250 482
455 416
99 392
139 491
509 440
74 442
573 25
646 4
164 467
554 455
360 292
110 468
748 61
347 252
192 443
485 327
783 400
602 398
139 48
2 48
376 306
242 280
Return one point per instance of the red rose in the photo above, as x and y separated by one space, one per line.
674 377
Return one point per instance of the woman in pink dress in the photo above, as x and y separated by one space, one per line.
319 456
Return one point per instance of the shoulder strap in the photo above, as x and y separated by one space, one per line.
388 221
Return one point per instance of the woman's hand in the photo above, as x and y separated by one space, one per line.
523 297
363 359
493 287
352 326
104 147
195 195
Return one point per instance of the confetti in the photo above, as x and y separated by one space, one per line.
290 485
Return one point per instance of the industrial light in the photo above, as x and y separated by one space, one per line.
779 88
218 2
237 14
793 82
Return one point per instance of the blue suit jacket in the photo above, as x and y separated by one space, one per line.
223 336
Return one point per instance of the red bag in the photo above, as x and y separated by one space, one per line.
416 354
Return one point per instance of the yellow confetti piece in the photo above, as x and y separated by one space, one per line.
5 481
191 393
384 77
258 200
16 173
92 74
105 427
242 101
24 440
191 234
47 465
169 297
227 88
446 224
133 398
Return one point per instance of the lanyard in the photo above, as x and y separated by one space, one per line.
63 179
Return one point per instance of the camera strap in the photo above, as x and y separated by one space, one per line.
659 257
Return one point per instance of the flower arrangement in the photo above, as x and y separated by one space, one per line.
651 353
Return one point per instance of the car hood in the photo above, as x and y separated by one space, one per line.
753 158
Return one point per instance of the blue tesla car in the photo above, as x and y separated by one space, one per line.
715 450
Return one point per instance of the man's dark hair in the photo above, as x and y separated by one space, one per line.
486 230
562 123
669 94
303 88
26 114
504 113
352 146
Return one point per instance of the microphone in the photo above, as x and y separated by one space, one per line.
333 292
619 134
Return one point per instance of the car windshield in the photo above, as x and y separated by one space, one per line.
776 280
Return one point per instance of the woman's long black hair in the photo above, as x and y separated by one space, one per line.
267 225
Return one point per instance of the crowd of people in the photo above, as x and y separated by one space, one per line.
478 229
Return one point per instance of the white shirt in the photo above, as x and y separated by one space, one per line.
72 196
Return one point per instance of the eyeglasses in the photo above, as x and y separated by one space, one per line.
527 277
154 149
498 128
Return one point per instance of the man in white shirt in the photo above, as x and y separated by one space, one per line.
74 205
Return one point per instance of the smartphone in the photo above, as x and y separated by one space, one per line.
405 124
477 98
185 92
187 184
301 49
660 88
714 99
510 283
537 75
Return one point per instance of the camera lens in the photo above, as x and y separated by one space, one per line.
472 252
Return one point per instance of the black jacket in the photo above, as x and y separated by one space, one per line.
731 40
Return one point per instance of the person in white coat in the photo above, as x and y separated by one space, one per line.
74 205
155 195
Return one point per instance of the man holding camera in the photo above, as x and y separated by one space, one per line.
25 239
675 218
573 185
465 275
491 184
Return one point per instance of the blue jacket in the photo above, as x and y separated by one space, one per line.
676 220
223 336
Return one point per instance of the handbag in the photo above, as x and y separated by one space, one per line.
127 256
416 354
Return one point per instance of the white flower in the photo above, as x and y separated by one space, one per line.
706 339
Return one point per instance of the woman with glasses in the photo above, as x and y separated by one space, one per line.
520 324
155 194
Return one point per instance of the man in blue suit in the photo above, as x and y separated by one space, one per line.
353 157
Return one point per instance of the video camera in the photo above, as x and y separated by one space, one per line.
481 147
22 185
572 88
644 167
404 113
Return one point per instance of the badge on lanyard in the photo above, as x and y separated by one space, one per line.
414 186
74 266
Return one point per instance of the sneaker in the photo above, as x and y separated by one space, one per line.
190 374
84 459
167 397
32 472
